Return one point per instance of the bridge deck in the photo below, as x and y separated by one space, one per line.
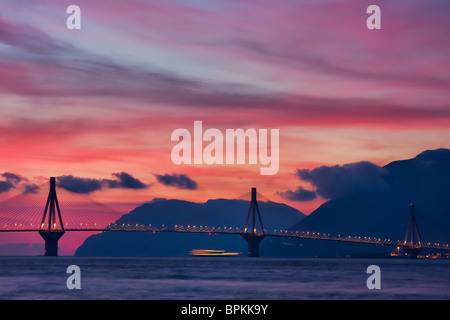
238 231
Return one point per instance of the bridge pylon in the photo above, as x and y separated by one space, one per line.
412 242
255 234
53 231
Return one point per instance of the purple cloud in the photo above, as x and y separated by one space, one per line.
181 181
88 185
336 181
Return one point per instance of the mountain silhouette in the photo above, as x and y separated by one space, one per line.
218 212
380 212
423 181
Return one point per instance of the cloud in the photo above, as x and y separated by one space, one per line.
300 194
15 181
5 186
181 181
12 177
336 181
88 185
30 188
79 185
331 182
77 72
125 181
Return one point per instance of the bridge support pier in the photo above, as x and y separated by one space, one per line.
251 234
253 243
412 243
53 232
51 242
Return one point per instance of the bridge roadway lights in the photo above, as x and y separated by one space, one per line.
51 242
253 243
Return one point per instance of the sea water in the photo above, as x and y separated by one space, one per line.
222 278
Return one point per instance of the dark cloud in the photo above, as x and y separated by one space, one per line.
298 195
14 181
125 181
79 185
30 188
87 185
181 181
5 186
336 181
12 177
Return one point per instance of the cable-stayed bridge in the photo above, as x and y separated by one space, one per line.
25 213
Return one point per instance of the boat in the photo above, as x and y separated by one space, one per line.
212 253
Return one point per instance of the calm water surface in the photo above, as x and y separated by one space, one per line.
222 278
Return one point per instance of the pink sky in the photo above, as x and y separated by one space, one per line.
106 98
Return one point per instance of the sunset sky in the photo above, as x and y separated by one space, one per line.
98 105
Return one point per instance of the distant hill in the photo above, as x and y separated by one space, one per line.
423 180
219 212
